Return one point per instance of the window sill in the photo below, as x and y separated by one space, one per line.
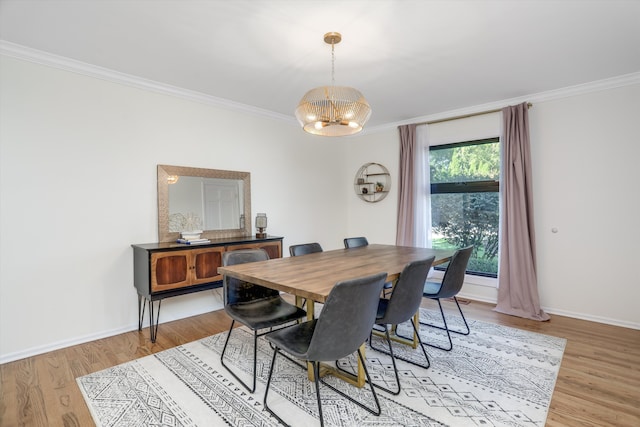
490 282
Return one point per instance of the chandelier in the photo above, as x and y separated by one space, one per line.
333 110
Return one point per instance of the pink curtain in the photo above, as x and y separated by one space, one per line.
517 280
406 220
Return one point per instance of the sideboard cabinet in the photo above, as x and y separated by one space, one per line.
164 270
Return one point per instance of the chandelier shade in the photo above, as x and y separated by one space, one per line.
333 110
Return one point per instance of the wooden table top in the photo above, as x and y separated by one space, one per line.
313 276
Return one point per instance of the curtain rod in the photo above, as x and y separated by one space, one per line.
464 116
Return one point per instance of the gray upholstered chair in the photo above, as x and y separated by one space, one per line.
304 249
342 327
356 242
449 288
400 307
254 306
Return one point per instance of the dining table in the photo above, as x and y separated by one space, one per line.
311 278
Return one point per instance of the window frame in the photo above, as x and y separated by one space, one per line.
485 186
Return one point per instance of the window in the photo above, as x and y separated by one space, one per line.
465 181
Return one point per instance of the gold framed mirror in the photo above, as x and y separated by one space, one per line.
218 202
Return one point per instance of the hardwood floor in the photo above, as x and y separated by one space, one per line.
598 383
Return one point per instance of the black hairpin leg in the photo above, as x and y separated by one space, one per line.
141 307
153 320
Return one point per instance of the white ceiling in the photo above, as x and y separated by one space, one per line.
409 58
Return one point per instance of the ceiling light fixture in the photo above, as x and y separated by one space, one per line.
333 110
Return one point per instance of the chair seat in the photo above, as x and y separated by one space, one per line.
264 313
295 339
431 288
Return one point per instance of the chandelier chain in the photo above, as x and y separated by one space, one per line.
333 65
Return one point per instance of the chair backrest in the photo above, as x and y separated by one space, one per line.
346 318
355 242
238 291
304 249
454 275
407 293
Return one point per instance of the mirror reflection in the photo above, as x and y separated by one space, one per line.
212 200
197 203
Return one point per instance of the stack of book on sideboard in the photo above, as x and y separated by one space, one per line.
193 241
192 238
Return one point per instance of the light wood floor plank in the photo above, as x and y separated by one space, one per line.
598 383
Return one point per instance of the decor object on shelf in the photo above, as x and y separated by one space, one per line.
333 110
372 182
191 235
184 222
261 225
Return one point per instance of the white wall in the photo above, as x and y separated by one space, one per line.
78 160
376 221
585 152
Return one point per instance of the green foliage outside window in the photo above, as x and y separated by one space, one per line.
465 202
465 163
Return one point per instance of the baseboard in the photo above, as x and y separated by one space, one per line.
565 313
11 357
591 318
168 316
34 351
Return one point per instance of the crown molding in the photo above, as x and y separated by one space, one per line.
581 89
61 62
56 61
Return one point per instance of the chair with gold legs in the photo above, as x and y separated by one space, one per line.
342 327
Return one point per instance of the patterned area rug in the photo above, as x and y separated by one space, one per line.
496 376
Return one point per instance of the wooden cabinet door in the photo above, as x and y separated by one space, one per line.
205 263
170 270
177 269
273 248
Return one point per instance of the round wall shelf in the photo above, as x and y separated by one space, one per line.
372 182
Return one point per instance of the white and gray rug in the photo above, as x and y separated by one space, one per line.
496 376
